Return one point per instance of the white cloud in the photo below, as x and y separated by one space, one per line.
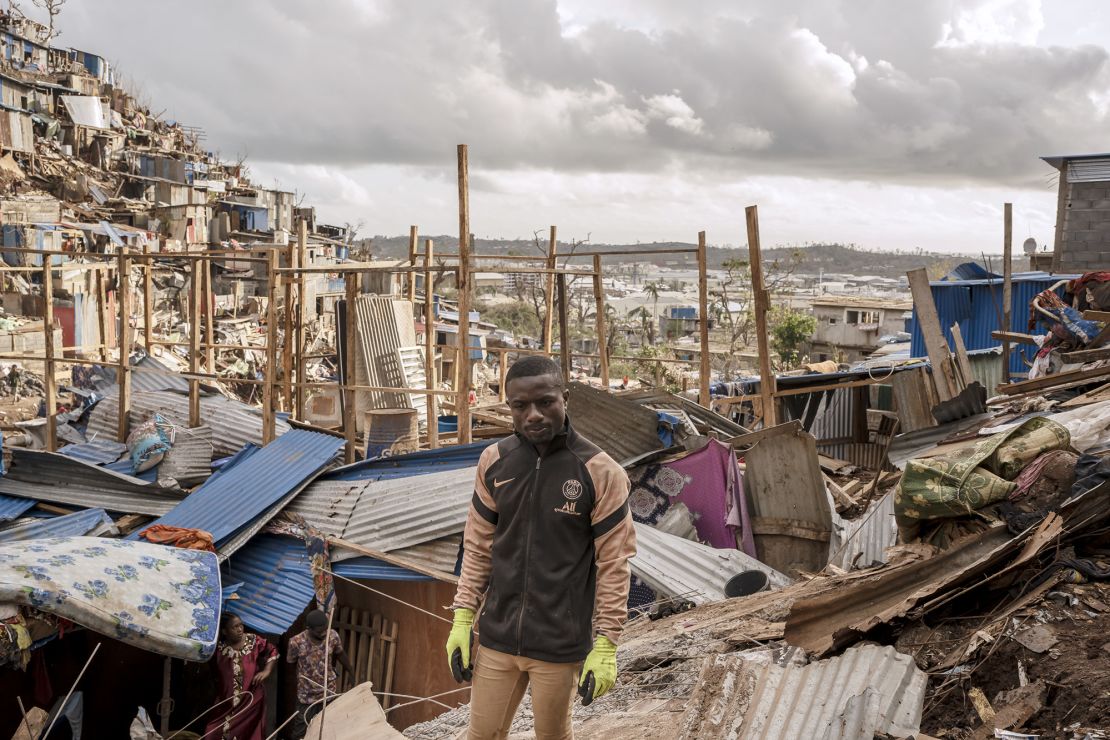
675 112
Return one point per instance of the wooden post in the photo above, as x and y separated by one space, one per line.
1007 282
102 313
963 362
302 313
287 335
268 426
549 296
943 376
412 261
350 411
209 297
123 374
430 347
602 336
51 400
703 323
767 385
564 333
502 371
148 301
195 285
462 398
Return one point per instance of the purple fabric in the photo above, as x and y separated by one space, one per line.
711 486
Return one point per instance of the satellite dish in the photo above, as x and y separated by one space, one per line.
1029 246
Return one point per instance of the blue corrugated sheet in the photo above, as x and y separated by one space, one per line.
12 507
275 579
415 463
71 525
976 306
276 583
238 496
97 452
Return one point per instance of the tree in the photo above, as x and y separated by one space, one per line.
733 307
789 330
53 9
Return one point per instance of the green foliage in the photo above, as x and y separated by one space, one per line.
789 329
517 317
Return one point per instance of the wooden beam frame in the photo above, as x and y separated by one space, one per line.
767 384
462 361
705 369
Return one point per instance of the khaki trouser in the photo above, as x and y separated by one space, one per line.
498 687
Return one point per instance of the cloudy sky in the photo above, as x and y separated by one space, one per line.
892 124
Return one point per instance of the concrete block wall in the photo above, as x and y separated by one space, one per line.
1085 240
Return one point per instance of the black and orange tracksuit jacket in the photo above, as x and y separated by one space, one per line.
547 541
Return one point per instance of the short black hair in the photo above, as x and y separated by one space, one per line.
226 617
532 366
316 618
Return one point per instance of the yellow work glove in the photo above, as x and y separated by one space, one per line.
458 645
602 662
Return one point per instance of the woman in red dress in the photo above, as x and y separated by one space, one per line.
243 661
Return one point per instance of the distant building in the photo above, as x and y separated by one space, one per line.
849 327
1082 212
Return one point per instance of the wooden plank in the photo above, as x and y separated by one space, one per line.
350 412
787 491
1103 316
195 283
462 358
1086 355
762 306
386 687
430 346
1014 336
549 294
1051 381
50 382
413 232
703 323
365 647
268 425
937 348
751 438
287 360
599 308
102 315
1007 283
123 373
395 560
963 362
302 314
564 330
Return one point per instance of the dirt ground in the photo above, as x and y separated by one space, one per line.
1075 669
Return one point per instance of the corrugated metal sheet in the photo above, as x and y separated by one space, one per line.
702 417
675 566
389 514
277 583
622 428
49 476
97 452
247 495
165 379
415 463
749 695
976 306
867 537
234 424
1089 170
441 554
986 367
276 578
907 446
189 461
13 508
384 325
88 522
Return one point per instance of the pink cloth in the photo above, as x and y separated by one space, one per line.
713 489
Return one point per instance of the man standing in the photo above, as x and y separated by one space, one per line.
547 543
310 650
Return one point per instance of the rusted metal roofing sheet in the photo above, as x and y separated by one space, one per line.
624 429
233 423
753 696
389 514
675 566
701 416
50 476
